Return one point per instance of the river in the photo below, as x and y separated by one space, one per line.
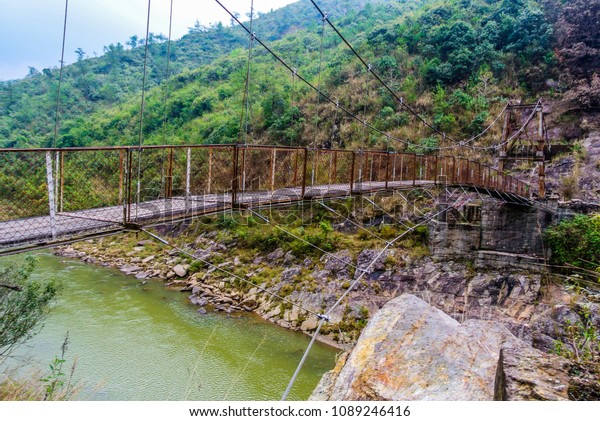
146 342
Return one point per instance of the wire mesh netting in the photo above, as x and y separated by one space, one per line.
328 172
51 194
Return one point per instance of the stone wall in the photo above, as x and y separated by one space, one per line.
489 233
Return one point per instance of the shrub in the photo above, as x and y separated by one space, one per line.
576 241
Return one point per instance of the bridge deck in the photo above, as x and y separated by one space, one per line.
49 196
68 225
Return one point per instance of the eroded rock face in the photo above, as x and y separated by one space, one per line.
412 351
529 374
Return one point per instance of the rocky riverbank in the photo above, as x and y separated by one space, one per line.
289 291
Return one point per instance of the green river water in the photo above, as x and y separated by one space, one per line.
145 342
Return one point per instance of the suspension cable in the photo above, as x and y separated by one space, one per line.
141 134
60 75
366 99
464 142
166 182
370 69
308 83
225 271
234 381
323 94
244 118
319 83
293 100
168 75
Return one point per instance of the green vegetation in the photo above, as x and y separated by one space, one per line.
582 342
255 234
456 61
57 385
23 304
576 242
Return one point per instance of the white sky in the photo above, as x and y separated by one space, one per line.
31 30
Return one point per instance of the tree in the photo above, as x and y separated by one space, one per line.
23 304
80 54
133 41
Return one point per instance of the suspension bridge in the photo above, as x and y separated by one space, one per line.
52 196
56 195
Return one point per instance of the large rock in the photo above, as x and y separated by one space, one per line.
527 374
364 261
412 351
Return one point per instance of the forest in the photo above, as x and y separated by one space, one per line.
457 62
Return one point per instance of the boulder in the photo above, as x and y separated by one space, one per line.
142 275
288 275
412 351
289 258
338 264
526 374
130 269
364 261
68 252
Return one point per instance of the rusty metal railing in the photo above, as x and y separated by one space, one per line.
51 194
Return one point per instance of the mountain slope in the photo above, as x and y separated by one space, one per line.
28 106
456 62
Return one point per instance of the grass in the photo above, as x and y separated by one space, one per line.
57 385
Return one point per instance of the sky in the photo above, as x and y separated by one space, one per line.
31 30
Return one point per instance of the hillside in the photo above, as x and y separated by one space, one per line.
456 62
95 84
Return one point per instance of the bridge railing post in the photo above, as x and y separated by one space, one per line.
128 187
51 193
415 169
188 180
234 175
304 173
61 190
387 169
468 172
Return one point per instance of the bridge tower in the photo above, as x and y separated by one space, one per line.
523 140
